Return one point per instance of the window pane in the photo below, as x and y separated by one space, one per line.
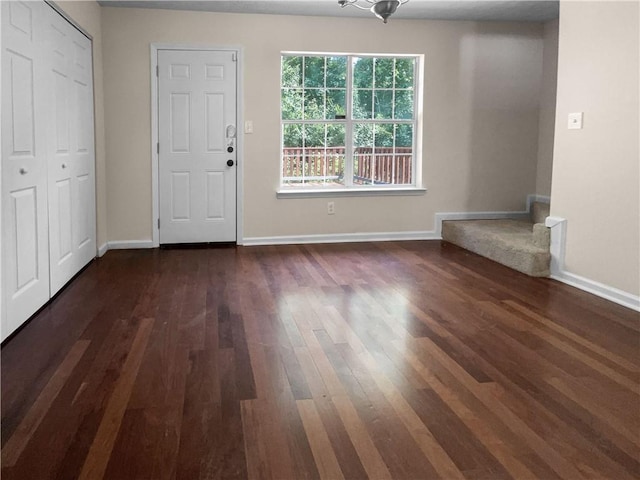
404 104
291 167
314 135
404 72
336 136
383 105
291 71
384 168
402 169
336 104
335 155
404 137
362 104
337 72
291 104
314 104
383 159
362 135
292 136
314 151
363 72
292 153
314 71
404 154
362 154
383 137
384 73
363 168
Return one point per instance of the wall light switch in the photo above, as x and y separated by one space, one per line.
575 121
248 126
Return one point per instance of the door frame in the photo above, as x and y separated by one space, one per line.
155 187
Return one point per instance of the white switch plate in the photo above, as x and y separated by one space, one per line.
575 121
248 126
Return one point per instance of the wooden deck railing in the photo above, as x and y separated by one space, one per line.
379 166
315 164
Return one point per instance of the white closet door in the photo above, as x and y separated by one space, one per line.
24 170
48 162
71 183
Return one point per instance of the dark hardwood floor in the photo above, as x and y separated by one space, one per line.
408 360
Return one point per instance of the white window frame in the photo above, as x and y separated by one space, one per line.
349 189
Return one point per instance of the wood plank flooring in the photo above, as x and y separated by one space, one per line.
407 360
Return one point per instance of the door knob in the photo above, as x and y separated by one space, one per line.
230 163
23 171
64 165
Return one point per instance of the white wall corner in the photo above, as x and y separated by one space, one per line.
558 226
102 249
155 207
534 197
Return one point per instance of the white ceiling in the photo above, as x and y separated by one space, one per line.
479 10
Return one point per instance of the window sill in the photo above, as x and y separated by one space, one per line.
349 192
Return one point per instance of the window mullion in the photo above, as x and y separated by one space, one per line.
348 156
305 152
395 125
414 180
325 160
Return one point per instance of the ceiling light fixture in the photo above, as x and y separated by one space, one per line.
382 9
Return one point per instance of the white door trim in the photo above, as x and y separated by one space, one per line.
155 190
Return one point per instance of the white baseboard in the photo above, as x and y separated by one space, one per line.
102 249
340 238
558 226
129 244
394 236
601 290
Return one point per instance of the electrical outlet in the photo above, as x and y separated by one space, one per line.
331 208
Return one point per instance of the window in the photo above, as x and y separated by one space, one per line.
348 121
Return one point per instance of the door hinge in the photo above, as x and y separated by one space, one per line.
158 148
158 224
157 70
233 56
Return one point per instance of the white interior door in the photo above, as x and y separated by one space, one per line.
71 161
197 150
24 168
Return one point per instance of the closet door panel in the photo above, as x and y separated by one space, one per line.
84 183
59 151
25 253
70 153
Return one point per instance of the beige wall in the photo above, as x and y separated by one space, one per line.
596 184
482 84
87 15
546 121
